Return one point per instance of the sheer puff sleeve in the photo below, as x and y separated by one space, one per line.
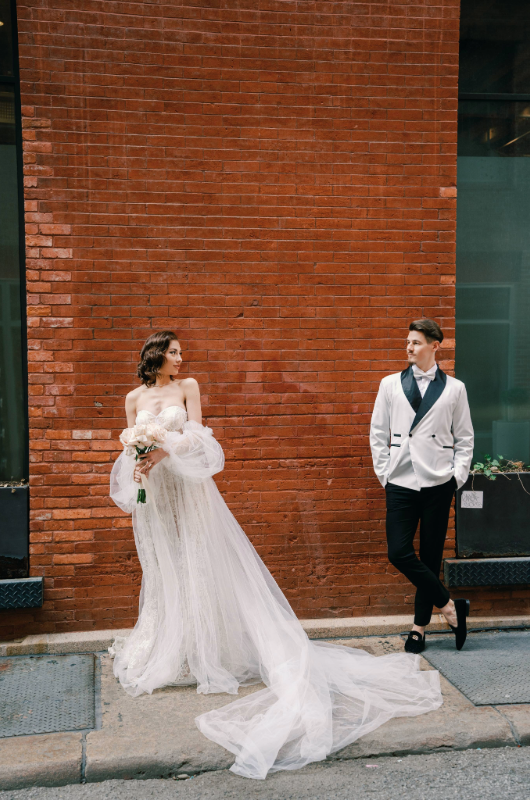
193 454
123 489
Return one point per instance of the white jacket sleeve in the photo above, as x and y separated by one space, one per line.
194 454
463 436
123 489
380 435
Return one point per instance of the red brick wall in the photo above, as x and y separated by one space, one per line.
275 180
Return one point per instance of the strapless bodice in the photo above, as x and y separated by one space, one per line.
171 418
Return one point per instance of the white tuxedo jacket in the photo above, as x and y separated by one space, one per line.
420 442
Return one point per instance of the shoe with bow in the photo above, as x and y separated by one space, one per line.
415 643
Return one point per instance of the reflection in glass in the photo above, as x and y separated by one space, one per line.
493 301
6 40
12 413
494 46
493 224
493 128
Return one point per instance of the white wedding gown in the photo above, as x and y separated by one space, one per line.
212 615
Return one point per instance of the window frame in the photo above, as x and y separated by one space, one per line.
14 83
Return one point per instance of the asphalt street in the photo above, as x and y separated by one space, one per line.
466 775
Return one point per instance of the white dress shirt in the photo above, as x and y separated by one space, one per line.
423 379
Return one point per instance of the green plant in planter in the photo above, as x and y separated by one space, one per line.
491 467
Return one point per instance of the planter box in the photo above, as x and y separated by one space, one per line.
493 517
14 531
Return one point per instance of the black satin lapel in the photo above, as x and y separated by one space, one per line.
409 385
430 397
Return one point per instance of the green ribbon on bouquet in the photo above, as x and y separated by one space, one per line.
140 451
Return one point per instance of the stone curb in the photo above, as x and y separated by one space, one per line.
346 627
56 643
334 628
51 759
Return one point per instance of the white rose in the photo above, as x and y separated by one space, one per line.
125 436
142 436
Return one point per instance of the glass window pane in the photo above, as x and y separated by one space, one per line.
493 301
477 303
493 128
6 40
495 46
483 366
493 226
12 410
7 115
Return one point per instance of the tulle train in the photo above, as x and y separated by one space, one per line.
212 615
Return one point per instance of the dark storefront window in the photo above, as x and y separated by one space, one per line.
13 423
493 224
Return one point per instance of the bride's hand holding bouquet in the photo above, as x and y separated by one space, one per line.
143 442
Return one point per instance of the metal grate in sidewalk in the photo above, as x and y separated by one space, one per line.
42 694
492 669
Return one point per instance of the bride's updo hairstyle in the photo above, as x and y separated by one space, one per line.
153 355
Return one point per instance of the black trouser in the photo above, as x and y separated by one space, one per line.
404 509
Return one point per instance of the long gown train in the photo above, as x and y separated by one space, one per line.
212 615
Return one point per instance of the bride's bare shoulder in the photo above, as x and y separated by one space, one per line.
190 387
135 394
131 399
188 382
192 399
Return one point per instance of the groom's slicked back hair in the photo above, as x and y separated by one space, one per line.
153 355
430 329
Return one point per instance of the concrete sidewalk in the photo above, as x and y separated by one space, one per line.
155 735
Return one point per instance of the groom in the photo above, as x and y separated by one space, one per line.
421 438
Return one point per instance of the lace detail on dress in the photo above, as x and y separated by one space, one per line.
172 418
134 652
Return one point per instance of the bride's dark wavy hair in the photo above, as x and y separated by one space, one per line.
153 355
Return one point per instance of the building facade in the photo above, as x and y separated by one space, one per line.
276 181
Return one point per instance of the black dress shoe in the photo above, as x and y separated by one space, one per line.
460 631
415 643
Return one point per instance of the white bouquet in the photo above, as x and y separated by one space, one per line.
142 439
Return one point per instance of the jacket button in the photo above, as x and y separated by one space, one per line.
434 436
410 435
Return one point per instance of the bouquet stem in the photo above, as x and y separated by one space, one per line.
140 497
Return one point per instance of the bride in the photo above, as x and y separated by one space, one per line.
212 615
